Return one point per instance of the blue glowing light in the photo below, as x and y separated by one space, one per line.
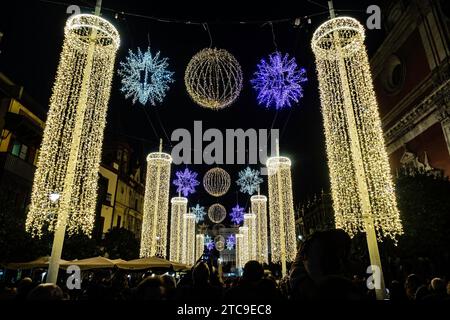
249 180
237 214
199 212
231 242
186 181
145 77
278 81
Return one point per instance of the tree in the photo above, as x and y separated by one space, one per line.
121 243
15 243
424 204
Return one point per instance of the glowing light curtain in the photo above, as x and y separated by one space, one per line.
64 190
156 205
199 245
250 223
179 208
243 251
361 182
188 253
239 251
259 208
281 211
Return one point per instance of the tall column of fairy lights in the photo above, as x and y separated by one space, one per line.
361 184
188 252
179 208
243 252
283 243
199 245
239 251
156 205
259 208
64 190
250 223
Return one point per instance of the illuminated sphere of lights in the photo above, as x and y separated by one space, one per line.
216 182
73 135
213 78
217 213
361 181
278 81
220 245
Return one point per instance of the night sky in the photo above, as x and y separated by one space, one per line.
33 35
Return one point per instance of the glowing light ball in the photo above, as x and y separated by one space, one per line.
213 78
216 182
217 213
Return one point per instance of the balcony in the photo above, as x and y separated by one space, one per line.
17 166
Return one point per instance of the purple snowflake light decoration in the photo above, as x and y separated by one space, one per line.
231 242
278 81
186 181
237 214
210 245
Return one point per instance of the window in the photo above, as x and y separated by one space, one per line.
119 221
393 75
23 152
16 148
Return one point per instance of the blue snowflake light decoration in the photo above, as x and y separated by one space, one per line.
278 81
186 181
231 242
237 214
249 180
145 77
199 212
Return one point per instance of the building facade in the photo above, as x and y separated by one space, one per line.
315 215
411 71
22 122
122 204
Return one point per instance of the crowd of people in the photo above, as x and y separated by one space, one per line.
320 272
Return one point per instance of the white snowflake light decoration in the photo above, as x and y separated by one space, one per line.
145 77
199 212
249 180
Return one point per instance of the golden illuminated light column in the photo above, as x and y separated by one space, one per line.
179 208
259 208
156 205
199 245
188 252
239 250
64 193
281 211
361 184
243 251
250 223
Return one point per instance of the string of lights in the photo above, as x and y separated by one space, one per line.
259 208
156 205
179 209
188 253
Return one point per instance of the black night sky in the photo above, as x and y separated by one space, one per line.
33 34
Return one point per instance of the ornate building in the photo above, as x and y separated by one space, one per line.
315 215
123 175
411 70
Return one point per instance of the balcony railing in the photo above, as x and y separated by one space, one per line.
17 166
